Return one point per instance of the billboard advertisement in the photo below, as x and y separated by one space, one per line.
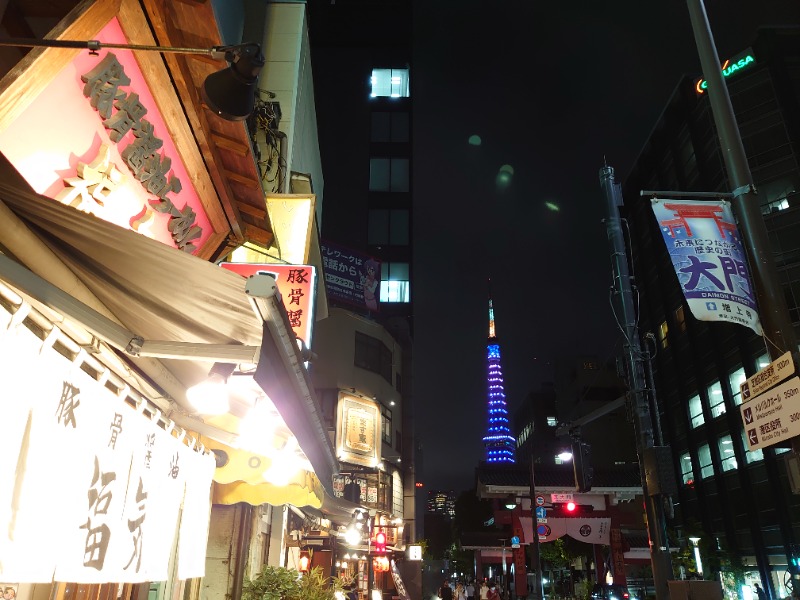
351 277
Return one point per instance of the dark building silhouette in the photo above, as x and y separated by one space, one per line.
738 502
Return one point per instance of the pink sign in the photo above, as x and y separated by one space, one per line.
94 139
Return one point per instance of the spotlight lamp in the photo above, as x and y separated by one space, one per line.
229 93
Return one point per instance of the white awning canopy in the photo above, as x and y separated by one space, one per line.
173 303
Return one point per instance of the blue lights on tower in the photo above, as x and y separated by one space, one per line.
499 442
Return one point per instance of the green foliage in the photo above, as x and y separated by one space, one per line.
280 583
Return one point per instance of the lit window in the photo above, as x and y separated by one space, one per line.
781 450
696 411
727 455
386 424
395 283
751 455
390 83
762 361
704 458
716 401
663 329
736 379
552 421
686 469
680 319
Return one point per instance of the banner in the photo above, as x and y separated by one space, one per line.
351 276
706 251
92 489
592 530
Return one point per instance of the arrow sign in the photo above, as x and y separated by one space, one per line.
748 416
752 436
541 512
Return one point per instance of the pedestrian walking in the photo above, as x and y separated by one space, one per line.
484 593
470 591
760 593
446 592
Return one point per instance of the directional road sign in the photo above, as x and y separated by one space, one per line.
541 512
775 372
539 500
773 416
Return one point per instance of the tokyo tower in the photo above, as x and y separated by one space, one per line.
499 442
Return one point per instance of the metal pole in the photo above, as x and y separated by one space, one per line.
643 426
536 563
773 311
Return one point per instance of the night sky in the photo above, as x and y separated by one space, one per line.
552 89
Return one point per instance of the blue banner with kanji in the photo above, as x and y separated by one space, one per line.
706 251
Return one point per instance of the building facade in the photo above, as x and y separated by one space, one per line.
737 502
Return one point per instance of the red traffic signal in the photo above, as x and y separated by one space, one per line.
380 542
571 509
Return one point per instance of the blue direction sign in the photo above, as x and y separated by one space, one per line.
515 540
541 512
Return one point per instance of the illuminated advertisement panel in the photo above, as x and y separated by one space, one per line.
358 431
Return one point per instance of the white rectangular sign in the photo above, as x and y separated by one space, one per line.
560 497
541 520
775 372
774 416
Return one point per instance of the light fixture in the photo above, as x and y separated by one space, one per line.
352 536
698 562
210 396
230 93
565 456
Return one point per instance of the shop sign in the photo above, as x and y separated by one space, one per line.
743 60
298 287
114 488
108 153
359 431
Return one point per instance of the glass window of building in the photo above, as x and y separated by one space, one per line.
388 175
704 458
388 226
390 83
395 282
663 329
716 401
762 361
696 411
373 355
751 456
736 379
389 127
726 454
686 469
386 424
680 319
400 127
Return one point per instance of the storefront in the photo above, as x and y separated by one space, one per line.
117 187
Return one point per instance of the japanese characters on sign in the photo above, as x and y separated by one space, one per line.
298 287
358 431
351 277
773 416
109 153
773 373
109 481
706 251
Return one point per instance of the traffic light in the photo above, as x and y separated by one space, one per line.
570 509
380 543
582 465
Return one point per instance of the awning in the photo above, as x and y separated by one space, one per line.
159 293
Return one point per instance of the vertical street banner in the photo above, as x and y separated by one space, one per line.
707 254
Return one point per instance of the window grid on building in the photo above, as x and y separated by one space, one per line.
716 401
727 454
696 411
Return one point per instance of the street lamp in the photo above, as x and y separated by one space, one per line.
697 560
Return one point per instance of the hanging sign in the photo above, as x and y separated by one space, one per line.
707 255
775 372
358 438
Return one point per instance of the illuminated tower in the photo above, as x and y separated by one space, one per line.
498 440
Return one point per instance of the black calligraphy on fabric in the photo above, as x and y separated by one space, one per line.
135 526
174 470
116 429
148 444
69 402
98 534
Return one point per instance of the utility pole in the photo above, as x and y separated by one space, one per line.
625 310
536 561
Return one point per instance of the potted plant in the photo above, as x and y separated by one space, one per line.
280 583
